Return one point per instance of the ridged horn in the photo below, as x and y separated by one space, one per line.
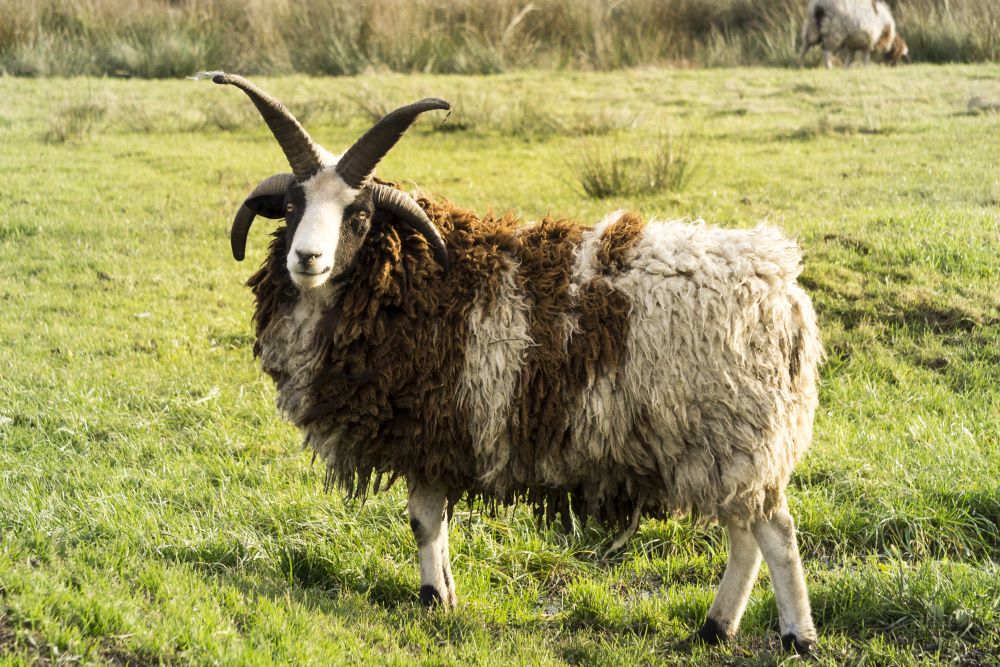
252 207
359 161
301 151
401 204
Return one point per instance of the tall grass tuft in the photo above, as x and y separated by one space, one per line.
77 121
169 38
607 170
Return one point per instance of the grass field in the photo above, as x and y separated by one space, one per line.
155 509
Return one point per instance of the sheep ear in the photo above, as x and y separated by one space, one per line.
268 200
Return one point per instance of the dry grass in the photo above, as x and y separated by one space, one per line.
167 38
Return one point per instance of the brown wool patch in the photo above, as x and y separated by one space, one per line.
619 238
884 42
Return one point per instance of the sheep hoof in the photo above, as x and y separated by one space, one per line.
429 596
801 646
712 633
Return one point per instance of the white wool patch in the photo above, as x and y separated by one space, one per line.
711 333
495 352
585 265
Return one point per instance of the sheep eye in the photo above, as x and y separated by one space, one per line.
289 207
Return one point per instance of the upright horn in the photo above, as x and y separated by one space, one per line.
358 163
301 151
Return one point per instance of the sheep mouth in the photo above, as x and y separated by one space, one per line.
312 274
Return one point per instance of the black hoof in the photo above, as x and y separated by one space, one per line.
712 633
429 597
801 646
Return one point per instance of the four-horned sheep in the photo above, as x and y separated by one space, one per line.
852 27
617 372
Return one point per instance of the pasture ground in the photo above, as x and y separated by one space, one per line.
155 509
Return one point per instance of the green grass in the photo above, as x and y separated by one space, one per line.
659 165
154 508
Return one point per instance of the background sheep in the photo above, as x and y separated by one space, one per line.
622 371
853 27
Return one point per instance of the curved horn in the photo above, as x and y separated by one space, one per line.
302 152
357 164
253 206
401 204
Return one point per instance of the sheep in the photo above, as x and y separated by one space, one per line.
853 26
623 371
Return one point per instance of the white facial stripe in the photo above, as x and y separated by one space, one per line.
311 255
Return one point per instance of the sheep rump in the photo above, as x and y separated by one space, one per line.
630 369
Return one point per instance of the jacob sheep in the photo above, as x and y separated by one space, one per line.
620 371
852 26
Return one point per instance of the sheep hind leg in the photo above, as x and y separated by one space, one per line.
734 591
428 508
776 538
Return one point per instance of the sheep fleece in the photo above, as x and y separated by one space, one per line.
850 24
665 368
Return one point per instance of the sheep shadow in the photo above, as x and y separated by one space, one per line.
299 570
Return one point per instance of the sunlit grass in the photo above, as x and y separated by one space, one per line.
154 507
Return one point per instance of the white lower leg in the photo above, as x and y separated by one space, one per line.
428 508
734 589
828 58
776 537
449 583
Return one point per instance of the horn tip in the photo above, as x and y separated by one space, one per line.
438 103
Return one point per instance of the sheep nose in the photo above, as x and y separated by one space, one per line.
306 257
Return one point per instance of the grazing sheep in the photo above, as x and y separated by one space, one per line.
622 371
855 27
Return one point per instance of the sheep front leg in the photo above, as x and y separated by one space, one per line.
734 590
828 58
428 508
776 538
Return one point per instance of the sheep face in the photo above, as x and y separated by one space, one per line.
327 221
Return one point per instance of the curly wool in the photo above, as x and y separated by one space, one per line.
660 368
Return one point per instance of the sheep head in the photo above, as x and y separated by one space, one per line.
327 201
898 51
